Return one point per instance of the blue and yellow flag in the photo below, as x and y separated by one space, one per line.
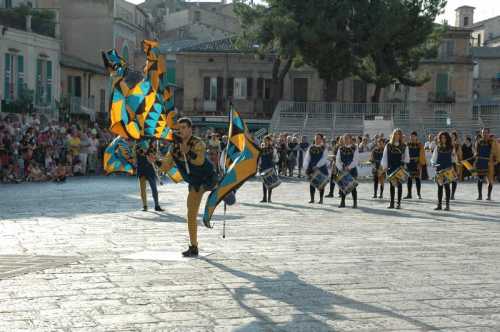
241 164
118 157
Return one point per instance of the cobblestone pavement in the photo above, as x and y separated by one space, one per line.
285 266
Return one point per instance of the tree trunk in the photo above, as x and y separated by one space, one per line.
278 76
376 94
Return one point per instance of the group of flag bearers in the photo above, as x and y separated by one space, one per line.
397 161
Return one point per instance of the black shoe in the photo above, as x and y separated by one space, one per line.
381 196
398 206
269 200
158 208
263 201
391 206
447 207
438 208
479 198
342 205
144 208
452 198
320 201
311 201
191 252
374 196
419 197
407 197
489 198
355 205
329 195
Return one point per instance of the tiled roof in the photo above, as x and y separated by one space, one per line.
176 45
486 52
77 63
225 45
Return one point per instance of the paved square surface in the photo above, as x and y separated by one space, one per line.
285 266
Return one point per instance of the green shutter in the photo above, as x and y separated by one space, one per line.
20 75
38 81
49 82
7 77
442 84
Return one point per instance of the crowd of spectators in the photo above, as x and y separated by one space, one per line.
52 152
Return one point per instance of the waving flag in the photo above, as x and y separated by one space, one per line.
241 164
118 157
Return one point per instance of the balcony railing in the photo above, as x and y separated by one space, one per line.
78 105
441 97
41 22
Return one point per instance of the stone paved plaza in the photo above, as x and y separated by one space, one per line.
81 256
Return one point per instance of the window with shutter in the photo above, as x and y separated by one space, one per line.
20 75
260 88
249 87
39 88
442 84
8 77
220 88
230 86
240 88
48 100
206 88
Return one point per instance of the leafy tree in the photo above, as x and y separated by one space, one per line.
394 36
269 31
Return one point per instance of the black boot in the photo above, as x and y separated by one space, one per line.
375 188
439 207
191 252
418 184
440 198
264 194
342 201
354 199
393 189
311 192
409 186
144 208
381 192
479 190
321 194
269 196
490 189
158 208
400 193
453 190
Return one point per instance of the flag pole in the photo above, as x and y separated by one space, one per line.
225 158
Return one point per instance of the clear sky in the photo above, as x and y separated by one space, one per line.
484 9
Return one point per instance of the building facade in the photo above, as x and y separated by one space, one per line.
486 75
29 63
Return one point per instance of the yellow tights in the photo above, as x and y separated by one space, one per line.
193 205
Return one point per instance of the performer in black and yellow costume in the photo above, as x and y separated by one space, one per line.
188 153
347 160
417 162
443 157
485 162
377 171
336 144
268 159
145 154
395 155
316 158
457 148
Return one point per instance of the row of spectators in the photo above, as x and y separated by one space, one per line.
30 152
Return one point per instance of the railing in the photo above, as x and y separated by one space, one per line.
78 105
40 21
441 97
338 118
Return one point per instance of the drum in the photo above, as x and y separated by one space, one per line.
398 176
319 179
346 182
447 175
270 178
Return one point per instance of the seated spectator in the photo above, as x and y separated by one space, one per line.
60 172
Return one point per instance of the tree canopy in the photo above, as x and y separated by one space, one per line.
379 41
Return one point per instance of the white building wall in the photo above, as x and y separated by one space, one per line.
31 46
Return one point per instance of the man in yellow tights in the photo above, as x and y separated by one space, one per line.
188 153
